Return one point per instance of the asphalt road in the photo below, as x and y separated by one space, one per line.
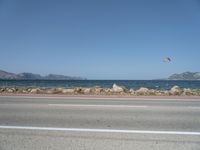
104 124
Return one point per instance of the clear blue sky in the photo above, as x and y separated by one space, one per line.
100 39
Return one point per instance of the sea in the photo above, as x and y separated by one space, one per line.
134 84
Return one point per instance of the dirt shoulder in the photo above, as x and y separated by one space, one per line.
101 96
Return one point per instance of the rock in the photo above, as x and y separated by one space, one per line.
132 91
2 90
97 90
86 90
157 93
107 91
198 92
117 88
50 91
187 91
14 89
59 90
24 91
78 90
153 92
176 90
29 89
35 91
68 91
142 91
10 90
163 93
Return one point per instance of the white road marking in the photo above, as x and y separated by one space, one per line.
100 130
192 107
120 106
104 106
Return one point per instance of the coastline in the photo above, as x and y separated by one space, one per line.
115 91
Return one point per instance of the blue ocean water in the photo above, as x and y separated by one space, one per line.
135 84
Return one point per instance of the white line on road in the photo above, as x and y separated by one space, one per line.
108 106
101 130
117 106
104 106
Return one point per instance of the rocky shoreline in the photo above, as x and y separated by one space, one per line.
115 90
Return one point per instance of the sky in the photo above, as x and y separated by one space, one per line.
100 39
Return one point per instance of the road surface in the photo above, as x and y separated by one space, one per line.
98 123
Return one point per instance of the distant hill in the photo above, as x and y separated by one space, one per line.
185 76
61 77
30 76
7 75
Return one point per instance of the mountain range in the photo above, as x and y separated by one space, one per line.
185 76
31 76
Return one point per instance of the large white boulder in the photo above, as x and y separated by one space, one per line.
132 91
176 90
117 88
